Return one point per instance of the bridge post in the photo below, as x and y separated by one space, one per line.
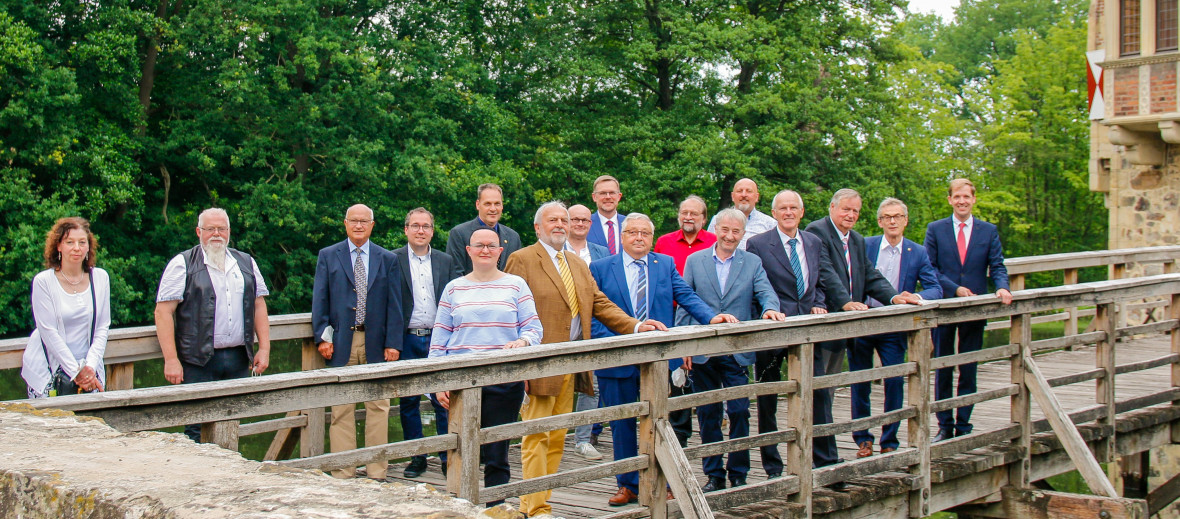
311 436
1105 450
1119 271
800 364
1071 325
1174 309
920 347
463 462
1020 406
120 376
653 389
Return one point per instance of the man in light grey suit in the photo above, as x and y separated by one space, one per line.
730 280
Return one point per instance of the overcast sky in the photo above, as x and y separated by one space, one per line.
943 8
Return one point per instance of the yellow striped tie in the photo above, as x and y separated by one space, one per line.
568 280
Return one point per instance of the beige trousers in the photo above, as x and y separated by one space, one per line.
342 433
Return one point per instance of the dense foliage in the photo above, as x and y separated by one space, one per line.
139 114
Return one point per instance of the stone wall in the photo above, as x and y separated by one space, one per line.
54 465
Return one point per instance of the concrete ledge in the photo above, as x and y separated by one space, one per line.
54 464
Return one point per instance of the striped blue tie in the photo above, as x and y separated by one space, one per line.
800 285
641 291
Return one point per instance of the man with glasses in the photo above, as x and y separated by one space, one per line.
424 274
606 222
905 264
645 285
356 317
210 309
585 436
489 202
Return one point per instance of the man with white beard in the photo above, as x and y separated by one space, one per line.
210 310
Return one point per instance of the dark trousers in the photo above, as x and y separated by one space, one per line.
624 433
768 367
828 359
891 347
716 373
501 405
226 364
970 339
680 420
417 347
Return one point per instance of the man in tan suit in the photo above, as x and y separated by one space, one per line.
567 298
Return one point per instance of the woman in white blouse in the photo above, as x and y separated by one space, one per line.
72 309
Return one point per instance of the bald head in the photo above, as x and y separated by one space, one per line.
579 223
745 196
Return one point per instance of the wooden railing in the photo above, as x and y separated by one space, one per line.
660 459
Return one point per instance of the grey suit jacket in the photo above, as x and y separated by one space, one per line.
746 285
460 236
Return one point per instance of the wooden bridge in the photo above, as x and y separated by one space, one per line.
1089 407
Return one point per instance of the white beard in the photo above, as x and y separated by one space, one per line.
215 251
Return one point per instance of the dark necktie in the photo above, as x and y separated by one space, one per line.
797 268
362 286
641 292
610 236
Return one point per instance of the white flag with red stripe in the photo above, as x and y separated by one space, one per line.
1094 83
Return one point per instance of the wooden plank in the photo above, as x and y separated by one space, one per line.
799 418
293 419
564 479
1066 431
1075 378
849 470
1017 282
1071 324
377 453
562 421
120 376
1068 342
861 424
920 346
848 378
1104 388
740 444
1161 497
1076 260
311 436
750 391
1166 360
1020 404
463 462
973 441
284 441
224 434
1042 504
1149 328
973 398
675 466
984 355
653 388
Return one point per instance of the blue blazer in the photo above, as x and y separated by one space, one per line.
333 302
770 249
746 285
985 257
598 234
915 266
597 251
664 285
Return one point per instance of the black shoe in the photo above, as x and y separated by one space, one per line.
416 467
714 484
942 436
959 433
737 481
774 475
684 445
594 439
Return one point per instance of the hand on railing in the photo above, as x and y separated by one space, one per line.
723 318
774 316
906 298
818 310
854 305
650 325
518 343
1005 296
325 349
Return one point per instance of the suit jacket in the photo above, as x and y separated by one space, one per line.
333 302
915 266
770 249
746 285
442 270
598 233
534 265
461 236
597 251
985 256
866 279
664 285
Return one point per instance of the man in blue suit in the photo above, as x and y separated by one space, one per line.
903 263
798 268
585 436
357 293
606 223
732 281
966 251
644 284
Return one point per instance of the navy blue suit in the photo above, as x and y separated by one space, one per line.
891 347
334 299
747 295
598 231
985 259
768 364
621 385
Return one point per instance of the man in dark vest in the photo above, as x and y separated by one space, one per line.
210 310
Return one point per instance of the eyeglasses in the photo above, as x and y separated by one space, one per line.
580 220
353 222
216 230
484 246
607 193
891 218
415 227
691 213
634 233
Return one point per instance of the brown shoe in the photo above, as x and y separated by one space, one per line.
866 449
670 496
622 497
887 450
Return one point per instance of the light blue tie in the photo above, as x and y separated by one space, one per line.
800 285
641 292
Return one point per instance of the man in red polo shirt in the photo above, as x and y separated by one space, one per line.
692 235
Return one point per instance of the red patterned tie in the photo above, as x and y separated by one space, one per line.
610 236
962 243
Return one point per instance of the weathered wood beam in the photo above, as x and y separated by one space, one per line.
681 479
1163 496
1043 504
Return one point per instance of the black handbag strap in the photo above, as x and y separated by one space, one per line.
93 308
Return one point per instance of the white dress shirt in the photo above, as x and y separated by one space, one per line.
631 269
422 290
618 229
889 264
228 287
966 230
722 266
799 248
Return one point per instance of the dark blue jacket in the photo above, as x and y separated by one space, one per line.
333 302
985 257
